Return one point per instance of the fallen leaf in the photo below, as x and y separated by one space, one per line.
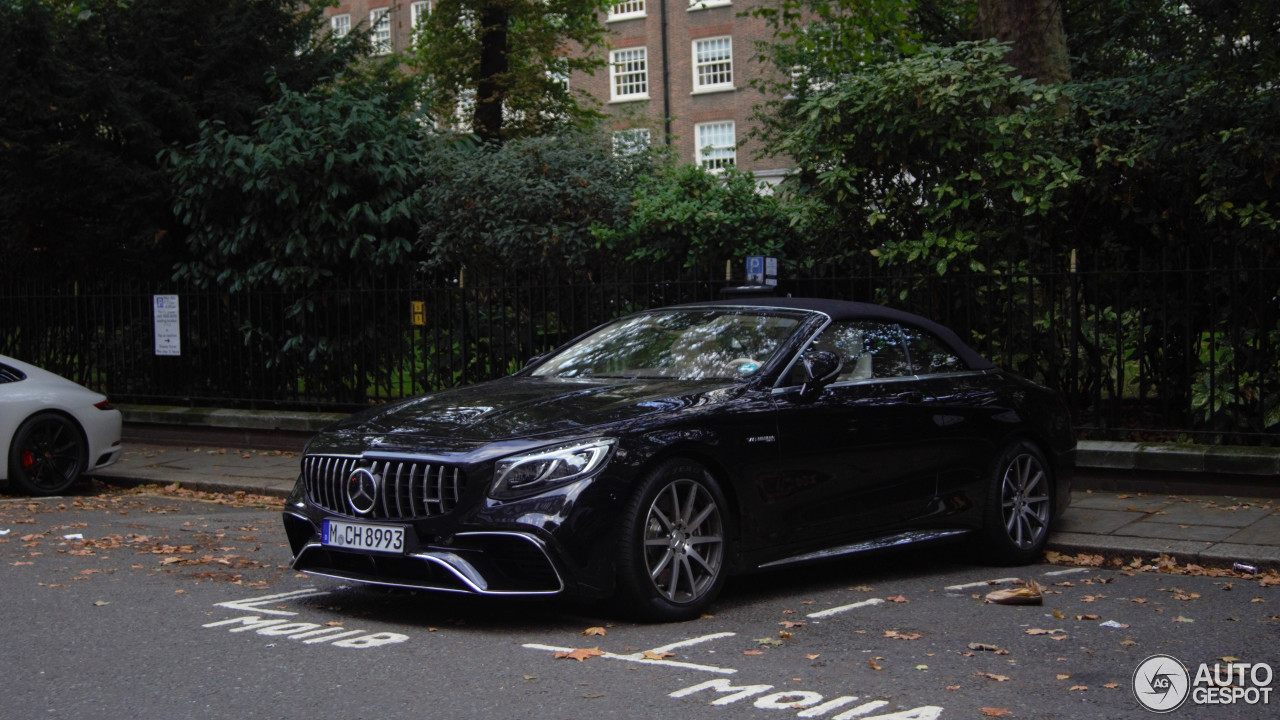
594 631
993 676
752 652
872 664
996 712
651 655
901 636
1182 619
580 654
984 647
1041 631
922 667
784 634
1030 594
1111 686
814 656
1086 617
898 599
789 624
1063 677
1078 687
953 687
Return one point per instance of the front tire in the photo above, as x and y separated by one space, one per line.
47 454
1019 506
673 543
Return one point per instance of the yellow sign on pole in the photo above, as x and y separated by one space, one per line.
418 312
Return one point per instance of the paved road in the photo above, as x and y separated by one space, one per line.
172 604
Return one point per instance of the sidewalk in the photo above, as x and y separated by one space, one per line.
1210 530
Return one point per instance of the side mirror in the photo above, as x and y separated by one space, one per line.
821 368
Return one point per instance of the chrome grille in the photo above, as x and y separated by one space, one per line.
407 489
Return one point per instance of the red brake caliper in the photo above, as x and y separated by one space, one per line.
28 459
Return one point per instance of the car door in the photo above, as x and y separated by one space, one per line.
854 460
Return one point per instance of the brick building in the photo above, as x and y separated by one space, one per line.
679 72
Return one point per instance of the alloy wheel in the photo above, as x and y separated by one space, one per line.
1024 498
684 541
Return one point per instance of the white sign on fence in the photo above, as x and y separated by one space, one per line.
168 328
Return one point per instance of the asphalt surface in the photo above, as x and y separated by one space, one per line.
1147 527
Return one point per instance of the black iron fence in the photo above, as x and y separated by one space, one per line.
1168 348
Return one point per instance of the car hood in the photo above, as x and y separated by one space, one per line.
517 408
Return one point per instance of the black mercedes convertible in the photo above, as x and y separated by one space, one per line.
653 456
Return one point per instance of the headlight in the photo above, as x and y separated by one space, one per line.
534 472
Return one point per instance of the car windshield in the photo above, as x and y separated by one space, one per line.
687 344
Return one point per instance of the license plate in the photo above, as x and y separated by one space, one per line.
362 536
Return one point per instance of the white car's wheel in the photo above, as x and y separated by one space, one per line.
47 454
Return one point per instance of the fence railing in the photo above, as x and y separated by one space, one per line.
1165 350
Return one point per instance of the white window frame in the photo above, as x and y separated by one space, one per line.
631 141
713 48
340 25
380 30
622 74
418 12
704 4
710 149
626 10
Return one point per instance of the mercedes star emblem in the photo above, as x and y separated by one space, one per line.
362 491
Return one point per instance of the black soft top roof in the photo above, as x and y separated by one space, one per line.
848 310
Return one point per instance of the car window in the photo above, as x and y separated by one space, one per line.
870 350
693 344
929 354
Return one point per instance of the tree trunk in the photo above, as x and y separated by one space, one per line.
1034 28
491 86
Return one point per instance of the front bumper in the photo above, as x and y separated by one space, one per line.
484 563
556 543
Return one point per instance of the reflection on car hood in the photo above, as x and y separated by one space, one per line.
519 407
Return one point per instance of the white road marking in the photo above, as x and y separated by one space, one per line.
641 659
845 608
252 604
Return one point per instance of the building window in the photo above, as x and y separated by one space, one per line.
715 145
340 25
630 142
418 13
629 74
626 10
713 64
704 4
380 30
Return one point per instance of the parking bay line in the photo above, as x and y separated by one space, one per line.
845 608
641 659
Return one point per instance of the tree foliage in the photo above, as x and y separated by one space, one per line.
526 204
501 67
94 89
319 189
927 158
690 216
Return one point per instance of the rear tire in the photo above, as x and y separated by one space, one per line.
47 454
673 544
1019 508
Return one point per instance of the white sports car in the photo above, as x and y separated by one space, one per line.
51 429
